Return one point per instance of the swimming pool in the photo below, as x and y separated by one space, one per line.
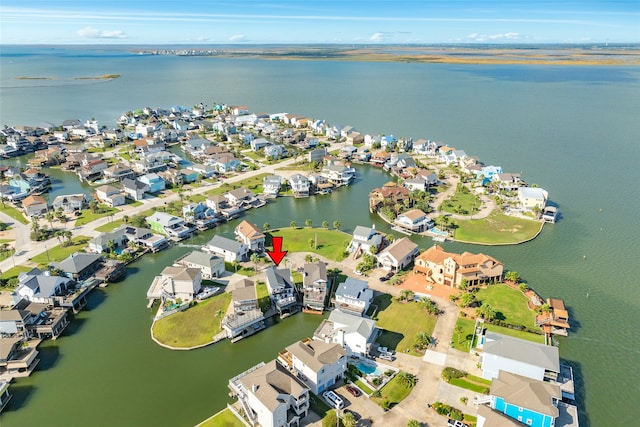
367 369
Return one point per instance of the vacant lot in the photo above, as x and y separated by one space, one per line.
510 304
330 243
497 228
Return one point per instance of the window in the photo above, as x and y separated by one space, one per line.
529 421
520 418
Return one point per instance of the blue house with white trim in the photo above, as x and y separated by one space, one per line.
154 182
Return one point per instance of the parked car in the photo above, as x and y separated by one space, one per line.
456 423
383 278
358 272
333 399
387 356
353 390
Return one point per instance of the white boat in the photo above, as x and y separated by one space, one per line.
207 292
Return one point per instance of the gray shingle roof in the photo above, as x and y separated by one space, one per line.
225 244
76 262
522 350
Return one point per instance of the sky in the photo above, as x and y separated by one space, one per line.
310 21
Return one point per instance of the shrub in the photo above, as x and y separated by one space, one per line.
442 408
455 414
448 373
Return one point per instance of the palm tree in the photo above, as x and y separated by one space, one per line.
308 223
293 224
219 314
466 300
308 258
312 243
458 330
235 265
407 379
93 206
336 224
255 259
422 340
111 246
125 218
67 235
486 312
348 420
266 226
325 224
406 295
49 216
414 423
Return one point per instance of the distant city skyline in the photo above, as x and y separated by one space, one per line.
305 22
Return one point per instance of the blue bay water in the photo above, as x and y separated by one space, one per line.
575 131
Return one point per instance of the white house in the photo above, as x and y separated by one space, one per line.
110 195
355 334
250 235
271 395
414 220
210 265
522 357
364 238
176 283
228 249
398 255
532 198
271 185
41 287
281 288
353 296
318 363
299 185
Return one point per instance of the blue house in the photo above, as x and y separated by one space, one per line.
528 401
21 183
153 182
188 175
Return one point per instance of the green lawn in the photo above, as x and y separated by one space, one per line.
393 392
362 386
400 323
331 243
515 333
466 201
12 273
471 385
194 326
224 418
246 271
87 216
462 341
510 304
110 226
254 184
262 294
318 405
59 252
497 228
14 213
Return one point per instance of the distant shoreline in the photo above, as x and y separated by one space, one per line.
583 56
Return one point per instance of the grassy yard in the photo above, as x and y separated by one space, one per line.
224 418
401 322
254 184
473 383
497 228
393 392
14 213
110 226
318 405
262 294
462 341
331 243
87 216
510 304
12 273
515 333
59 252
246 271
466 202
194 326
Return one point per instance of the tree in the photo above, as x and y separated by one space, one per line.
49 216
266 226
308 258
293 224
414 423
348 420
330 419
406 295
486 312
458 330
466 300
512 276
255 259
430 306
219 315
125 218
407 379
336 225
235 265
464 285
67 235
93 206
325 224
390 238
111 246
523 287
312 243
373 249
308 223
422 340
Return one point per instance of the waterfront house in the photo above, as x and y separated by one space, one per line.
5 397
379 158
209 264
316 155
529 402
315 286
258 144
205 171
17 357
507 181
281 289
398 255
70 203
34 206
144 237
273 151
299 185
354 333
118 172
79 266
414 220
175 283
110 195
271 396
225 162
41 287
246 318
153 182
240 197
220 206
364 238
168 224
196 146
228 249
90 168
42 320
450 269
134 189
555 321
430 178
416 183
532 198
271 185
518 356
13 322
391 193
172 176
116 239
319 364
250 235
197 211
21 182
338 174
353 296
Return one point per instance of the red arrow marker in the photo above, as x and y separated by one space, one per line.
278 254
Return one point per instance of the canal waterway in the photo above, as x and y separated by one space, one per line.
572 130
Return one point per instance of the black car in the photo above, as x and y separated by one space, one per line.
383 278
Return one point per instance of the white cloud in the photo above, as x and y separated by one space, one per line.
377 37
94 33
198 39
238 38
493 37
